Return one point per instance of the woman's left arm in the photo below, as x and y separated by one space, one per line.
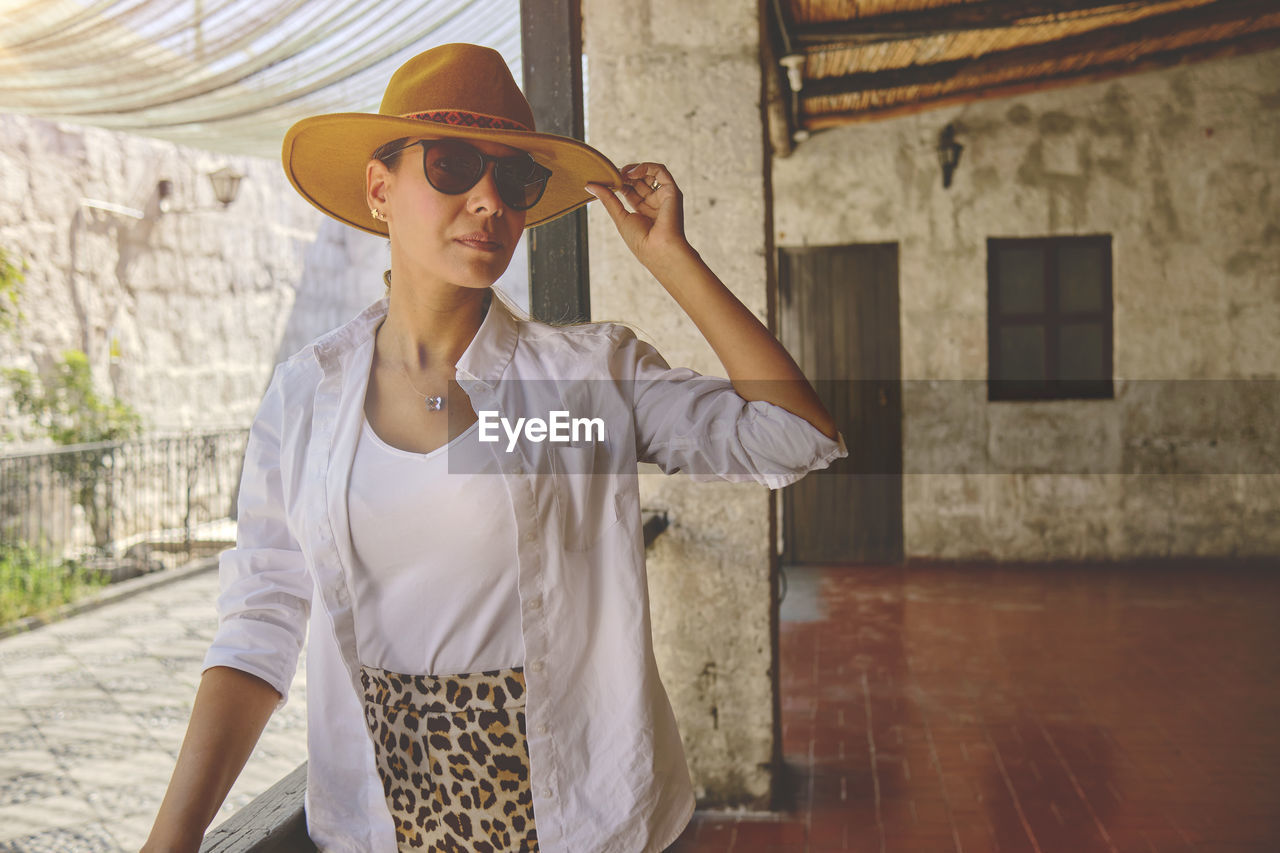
758 366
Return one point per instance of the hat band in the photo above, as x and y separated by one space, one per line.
463 118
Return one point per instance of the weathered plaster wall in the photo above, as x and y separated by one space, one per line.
1182 168
678 83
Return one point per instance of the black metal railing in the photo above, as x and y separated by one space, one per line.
94 502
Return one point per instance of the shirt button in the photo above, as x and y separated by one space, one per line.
530 535
546 792
536 666
535 603
542 730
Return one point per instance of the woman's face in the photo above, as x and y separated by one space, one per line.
466 240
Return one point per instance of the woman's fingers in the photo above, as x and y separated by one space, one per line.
635 193
633 196
636 188
650 220
649 174
609 200
647 186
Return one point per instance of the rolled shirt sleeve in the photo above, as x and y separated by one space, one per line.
265 589
699 425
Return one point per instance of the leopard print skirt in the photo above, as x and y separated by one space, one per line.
453 759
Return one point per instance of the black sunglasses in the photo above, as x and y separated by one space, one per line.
453 166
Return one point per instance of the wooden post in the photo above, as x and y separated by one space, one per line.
551 46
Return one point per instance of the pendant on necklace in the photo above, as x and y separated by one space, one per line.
434 403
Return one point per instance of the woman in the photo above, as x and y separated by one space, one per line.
480 673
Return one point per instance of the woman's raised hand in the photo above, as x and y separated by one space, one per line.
654 231
654 227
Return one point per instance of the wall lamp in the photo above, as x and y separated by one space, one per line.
948 153
164 195
226 184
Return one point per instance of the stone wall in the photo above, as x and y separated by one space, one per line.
180 312
185 312
679 84
1180 167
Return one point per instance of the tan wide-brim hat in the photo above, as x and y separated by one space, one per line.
452 91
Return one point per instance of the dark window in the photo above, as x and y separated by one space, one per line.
1049 318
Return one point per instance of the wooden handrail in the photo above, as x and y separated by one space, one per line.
273 822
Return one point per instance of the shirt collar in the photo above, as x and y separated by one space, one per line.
485 359
490 351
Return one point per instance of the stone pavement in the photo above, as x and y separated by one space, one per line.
93 710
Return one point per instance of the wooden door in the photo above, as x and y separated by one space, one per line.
838 316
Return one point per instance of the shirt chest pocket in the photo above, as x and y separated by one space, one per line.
592 499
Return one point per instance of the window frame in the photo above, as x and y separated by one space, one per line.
1052 318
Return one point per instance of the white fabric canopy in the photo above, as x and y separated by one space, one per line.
225 75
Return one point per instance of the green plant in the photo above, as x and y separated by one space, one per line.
69 410
12 275
66 408
33 585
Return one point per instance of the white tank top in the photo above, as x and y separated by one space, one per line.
435 574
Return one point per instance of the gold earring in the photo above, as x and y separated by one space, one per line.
377 214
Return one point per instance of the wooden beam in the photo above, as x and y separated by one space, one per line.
780 103
1128 35
551 47
941 20
1252 43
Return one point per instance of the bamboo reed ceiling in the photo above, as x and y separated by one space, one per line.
871 59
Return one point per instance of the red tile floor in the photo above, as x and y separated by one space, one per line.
1053 709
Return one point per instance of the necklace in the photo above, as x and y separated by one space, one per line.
434 402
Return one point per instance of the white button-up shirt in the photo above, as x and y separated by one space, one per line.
607 768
